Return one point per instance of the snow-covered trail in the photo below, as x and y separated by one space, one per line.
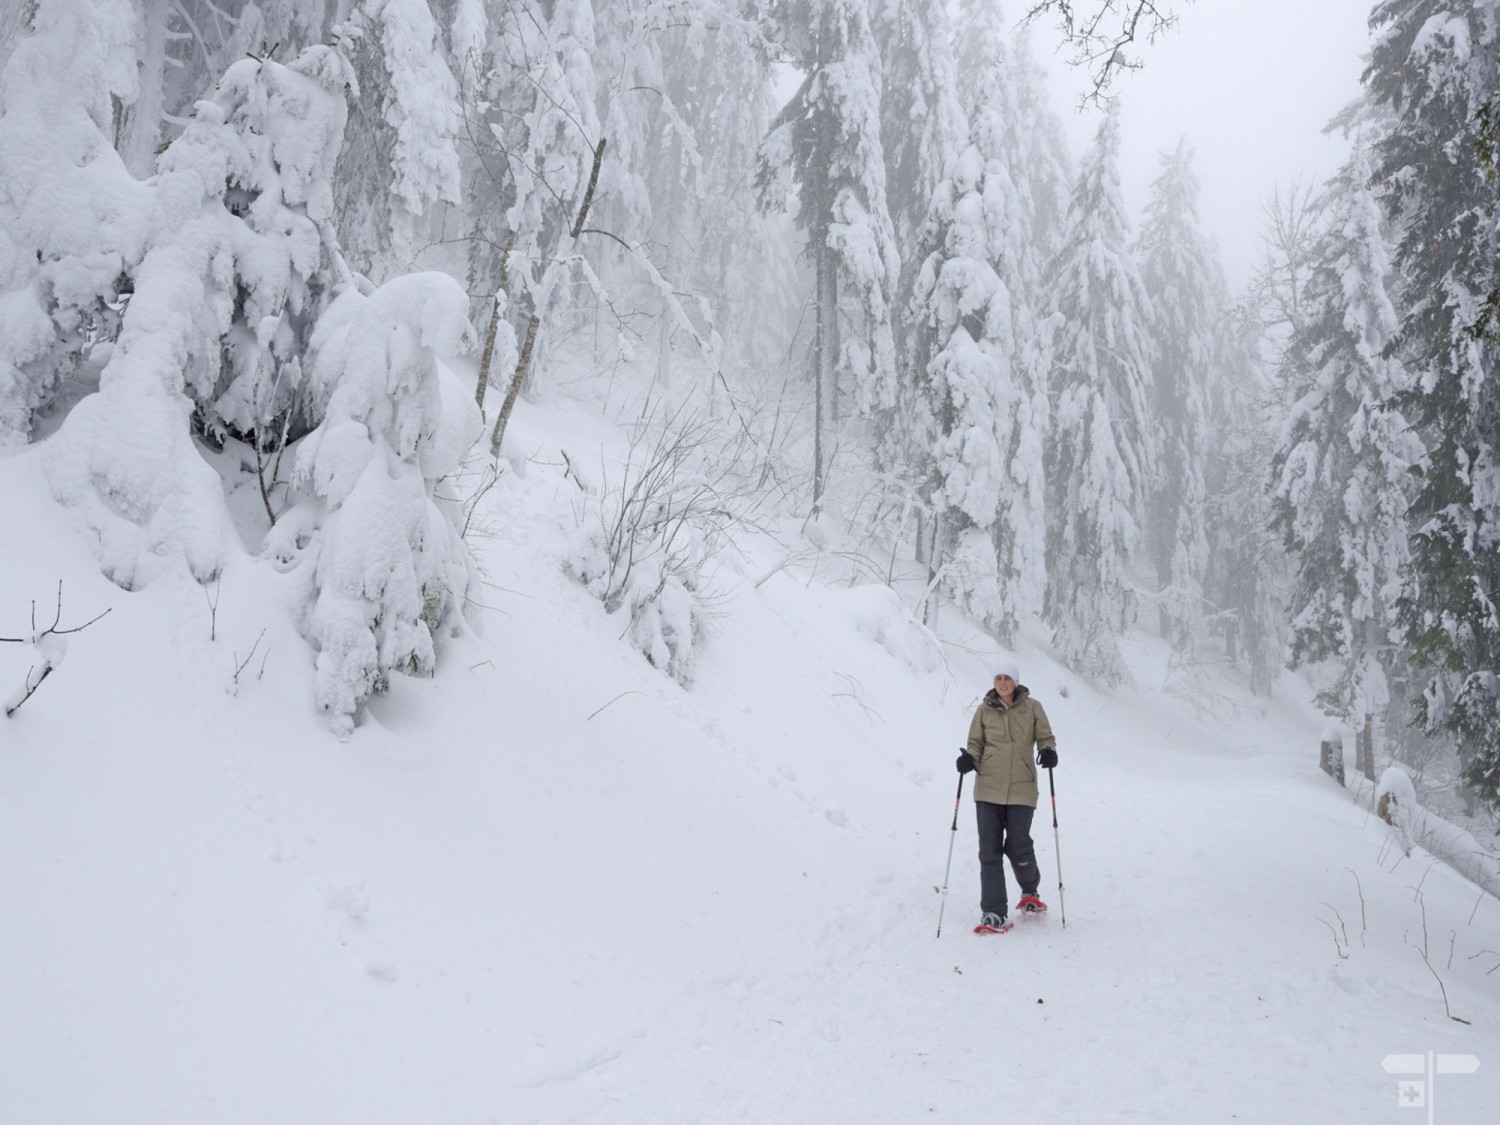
1205 857
1227 1000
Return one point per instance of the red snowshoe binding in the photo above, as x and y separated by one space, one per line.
994 924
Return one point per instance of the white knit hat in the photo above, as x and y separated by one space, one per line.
1007 667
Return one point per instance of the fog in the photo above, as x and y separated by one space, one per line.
1250 83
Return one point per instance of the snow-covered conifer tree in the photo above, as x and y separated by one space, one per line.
73 222
922 125
400 164
1342 475
1100 459
719 80
240 261
1042 147
279 136
182 47
828 138
978 386
1014 131
1184 286
1246 578
949 402
1436 67
923 135
388 571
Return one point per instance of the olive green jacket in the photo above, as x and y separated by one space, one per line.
1001 742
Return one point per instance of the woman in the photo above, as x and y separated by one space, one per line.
1006 727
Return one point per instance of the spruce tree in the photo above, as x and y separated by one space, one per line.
976 355
826 141
399 166
240 263
1341 477
1100 458
922 125
1183 283
1435 66
385 571
1042 146
949 402
945 428
1245 580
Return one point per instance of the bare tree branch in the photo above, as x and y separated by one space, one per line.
48 662
52 629
1099 32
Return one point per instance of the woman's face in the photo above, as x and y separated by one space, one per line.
1005 687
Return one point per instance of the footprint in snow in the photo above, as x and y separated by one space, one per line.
352 900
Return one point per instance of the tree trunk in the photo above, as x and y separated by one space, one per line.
824 374
833 343
523 364
489 336
668 326
516 382
935 552
139 124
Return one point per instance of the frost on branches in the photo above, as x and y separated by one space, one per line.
73 222
237 263
389 571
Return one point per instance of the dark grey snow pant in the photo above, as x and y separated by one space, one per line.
1005 830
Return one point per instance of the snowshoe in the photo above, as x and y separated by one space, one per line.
1030 904
994 924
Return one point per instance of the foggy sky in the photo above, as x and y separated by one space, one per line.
1251 84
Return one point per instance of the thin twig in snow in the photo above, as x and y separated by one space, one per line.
616 699
1363 925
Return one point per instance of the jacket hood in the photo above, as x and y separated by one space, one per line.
992 697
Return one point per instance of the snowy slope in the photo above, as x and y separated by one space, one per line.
552 886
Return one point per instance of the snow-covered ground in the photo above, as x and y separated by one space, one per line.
550 885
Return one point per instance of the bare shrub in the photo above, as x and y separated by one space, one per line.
645 538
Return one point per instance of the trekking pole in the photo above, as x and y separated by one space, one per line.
958 800
1062 906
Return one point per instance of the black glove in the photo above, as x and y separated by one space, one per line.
965 763
1046 757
